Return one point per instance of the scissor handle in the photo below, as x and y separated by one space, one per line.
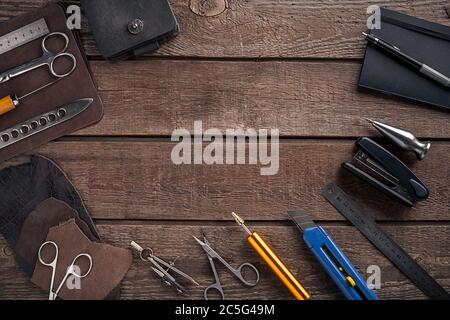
217 287
239 273
54 56
52 35
71 270
55 259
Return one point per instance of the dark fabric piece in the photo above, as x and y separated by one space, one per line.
109 264
24 187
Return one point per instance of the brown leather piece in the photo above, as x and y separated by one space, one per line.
48 213
447 8
110 264
76 86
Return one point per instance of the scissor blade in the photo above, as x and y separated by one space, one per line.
210 251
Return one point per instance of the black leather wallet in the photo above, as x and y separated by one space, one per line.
127 29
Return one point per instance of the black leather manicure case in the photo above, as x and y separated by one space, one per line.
128 29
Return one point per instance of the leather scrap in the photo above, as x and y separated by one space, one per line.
110 264
49 213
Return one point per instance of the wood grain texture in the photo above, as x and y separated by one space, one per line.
299 98
129 179
174 241
269 28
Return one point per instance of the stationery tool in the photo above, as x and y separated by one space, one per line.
23 35
272 260
48 59
71 270
10 102
398 181
238 273
408 60
426 41
334 261
162 268
403 138
43 122
138 27
372 231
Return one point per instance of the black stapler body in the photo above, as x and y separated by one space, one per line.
398 181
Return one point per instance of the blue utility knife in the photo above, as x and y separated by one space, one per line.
332 258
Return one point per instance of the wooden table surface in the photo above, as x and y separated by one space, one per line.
291 65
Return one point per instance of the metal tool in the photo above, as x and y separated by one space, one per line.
403 138
372 231
334 261
397 180
9 103
23 35
71 270
43 122
238 273
48 58
272 260
162 268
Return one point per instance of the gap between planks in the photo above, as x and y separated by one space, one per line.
259 223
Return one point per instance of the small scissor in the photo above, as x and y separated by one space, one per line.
238 273
48 58
71 270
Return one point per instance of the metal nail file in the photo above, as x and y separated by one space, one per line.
331 257
391 250
43 122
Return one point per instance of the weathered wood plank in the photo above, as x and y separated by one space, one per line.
299 98
269 28
128 179
174 241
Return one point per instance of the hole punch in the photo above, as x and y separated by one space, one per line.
24 130
62 113
51 117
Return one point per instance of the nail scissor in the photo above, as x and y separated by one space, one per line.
238 273
71 270
48 58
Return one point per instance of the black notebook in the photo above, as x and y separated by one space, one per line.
425 41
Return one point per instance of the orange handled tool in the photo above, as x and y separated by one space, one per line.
9 103
277 266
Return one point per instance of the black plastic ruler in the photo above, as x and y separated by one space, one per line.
372 231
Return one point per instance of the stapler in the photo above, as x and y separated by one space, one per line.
397 180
